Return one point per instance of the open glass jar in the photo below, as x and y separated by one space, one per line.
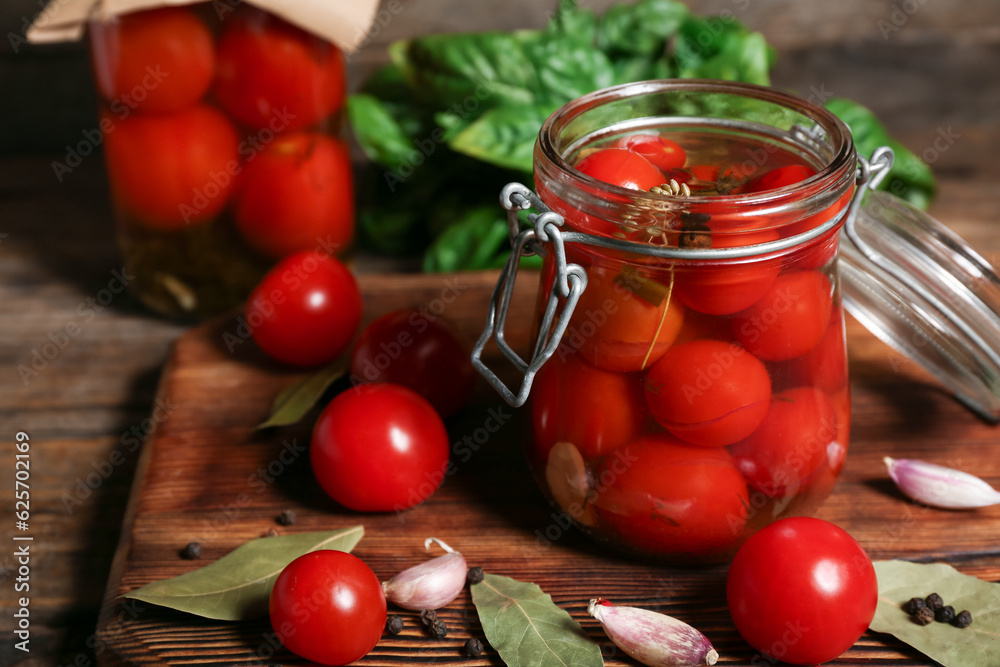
220 129
691 380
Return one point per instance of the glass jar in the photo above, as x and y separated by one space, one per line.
221 141
695 387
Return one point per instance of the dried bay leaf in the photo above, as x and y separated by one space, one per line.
526 627
975 646
237 586
296 400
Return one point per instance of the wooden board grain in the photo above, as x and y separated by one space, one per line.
207 476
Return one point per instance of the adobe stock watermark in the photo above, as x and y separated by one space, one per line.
425 147
616 466
60 339
122 107
418 322
217 182
257 482
263 308
131 440
462 451
898 17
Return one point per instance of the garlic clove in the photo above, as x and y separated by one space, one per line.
566 475
429 585
939 486
653 639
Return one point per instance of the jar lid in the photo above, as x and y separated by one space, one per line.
924 291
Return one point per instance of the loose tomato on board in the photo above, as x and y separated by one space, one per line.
593 409
662 495
802 591
621 167
618 330
306 309
780 456
295 194
379 448
790 319
157 60
663 153
417 350
327 606
172 170
708 392
273 74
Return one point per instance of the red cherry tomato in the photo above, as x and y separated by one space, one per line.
724 288
272 74
328 607
789 319
779 178
297 192
662 152
157 60
169 171
790 444
622 168
825 366
708 392
668 497
306 309
593 409
787 578
617 329
379 448
420 351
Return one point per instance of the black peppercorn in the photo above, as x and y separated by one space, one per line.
394 624
475 575
438 629
945 614
428 616
287 518
924 616
913 605
192 551
963 620
934 601
473 648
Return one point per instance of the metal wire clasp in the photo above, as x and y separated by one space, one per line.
569 283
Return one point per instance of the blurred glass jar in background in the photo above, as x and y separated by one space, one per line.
222 148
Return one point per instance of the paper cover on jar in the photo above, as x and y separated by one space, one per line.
346 24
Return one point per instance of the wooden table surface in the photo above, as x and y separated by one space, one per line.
86 409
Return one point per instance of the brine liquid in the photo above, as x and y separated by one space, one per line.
693 402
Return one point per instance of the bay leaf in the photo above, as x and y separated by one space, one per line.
526 627
238 585
975 646
297 399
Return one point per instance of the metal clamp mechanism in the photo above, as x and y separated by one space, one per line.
571 280
870 173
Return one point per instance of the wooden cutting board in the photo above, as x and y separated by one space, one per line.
208 476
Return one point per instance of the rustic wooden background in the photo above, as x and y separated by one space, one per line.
936 73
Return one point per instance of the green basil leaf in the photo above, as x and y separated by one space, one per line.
523 624
296 400
642 29
237 586
379 133
910 178
723 48
975 646
503 136
469 243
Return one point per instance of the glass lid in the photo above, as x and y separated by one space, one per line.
924 291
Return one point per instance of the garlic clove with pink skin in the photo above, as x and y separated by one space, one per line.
653 639
939 486
430 585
